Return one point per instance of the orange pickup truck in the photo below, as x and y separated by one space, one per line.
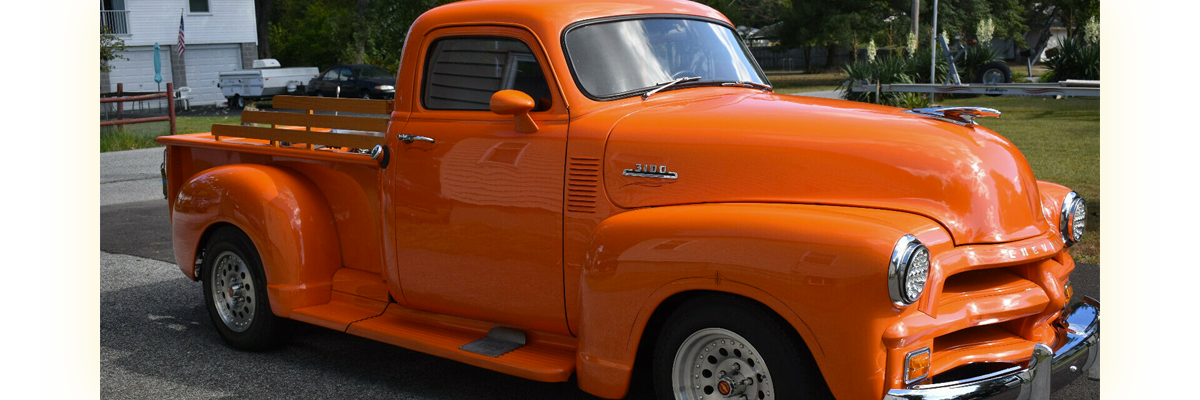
603 188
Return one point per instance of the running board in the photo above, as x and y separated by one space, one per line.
359 304
498 342
540 356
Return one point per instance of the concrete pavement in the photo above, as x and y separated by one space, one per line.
130 176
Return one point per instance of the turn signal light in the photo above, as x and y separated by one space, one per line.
916 366
1069 291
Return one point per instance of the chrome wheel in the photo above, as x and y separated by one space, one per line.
716 363
233 291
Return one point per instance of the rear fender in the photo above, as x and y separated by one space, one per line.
823 269
284 214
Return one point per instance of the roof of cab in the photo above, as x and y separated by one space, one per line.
547 18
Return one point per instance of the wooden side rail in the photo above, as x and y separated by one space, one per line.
315 120
317 128
352 140
357 106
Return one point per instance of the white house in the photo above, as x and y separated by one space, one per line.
220 36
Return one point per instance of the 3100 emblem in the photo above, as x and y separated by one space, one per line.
650 171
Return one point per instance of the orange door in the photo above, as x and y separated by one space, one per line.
478 204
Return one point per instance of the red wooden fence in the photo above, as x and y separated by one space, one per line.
169 95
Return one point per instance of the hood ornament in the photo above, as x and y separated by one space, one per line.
959 115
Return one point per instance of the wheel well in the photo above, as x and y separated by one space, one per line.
202 244
645 352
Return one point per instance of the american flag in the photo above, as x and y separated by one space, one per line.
180 44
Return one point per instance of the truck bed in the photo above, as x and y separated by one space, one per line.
332 151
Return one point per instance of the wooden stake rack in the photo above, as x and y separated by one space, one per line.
364 129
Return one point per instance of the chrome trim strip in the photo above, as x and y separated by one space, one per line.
1048 370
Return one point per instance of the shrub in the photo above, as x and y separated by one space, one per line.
887 70
1075 59
974 59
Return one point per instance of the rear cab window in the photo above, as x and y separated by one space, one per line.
462 73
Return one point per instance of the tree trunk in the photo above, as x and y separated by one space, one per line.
830 54
360 31
808 59
262 14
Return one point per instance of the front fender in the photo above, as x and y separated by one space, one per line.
284 214
823 269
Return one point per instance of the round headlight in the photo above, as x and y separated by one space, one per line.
907 270
1073 221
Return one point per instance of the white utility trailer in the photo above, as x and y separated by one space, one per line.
264 81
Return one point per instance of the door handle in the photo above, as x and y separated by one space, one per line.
406 138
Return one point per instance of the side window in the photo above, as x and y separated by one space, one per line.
463 73
330 75
347 74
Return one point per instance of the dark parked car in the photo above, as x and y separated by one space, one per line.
357 80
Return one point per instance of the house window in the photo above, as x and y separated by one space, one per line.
198 6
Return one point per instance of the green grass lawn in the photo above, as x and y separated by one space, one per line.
139 136
1061 140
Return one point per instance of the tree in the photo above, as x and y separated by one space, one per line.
110 48
960 17
1074 14
324 33
751 13
831 23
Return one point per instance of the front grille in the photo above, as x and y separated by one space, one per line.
971 371
987 311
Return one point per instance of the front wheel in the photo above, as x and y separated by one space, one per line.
718 347
235 293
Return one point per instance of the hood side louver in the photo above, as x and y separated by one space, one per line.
583 179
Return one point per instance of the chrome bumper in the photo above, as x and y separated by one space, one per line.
1048 370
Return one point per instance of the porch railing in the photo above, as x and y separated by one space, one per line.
117 21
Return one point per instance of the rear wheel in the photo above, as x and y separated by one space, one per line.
235 293
237 102
721 347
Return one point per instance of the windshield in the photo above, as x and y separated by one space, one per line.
613 59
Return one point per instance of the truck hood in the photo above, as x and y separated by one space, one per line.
778 148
